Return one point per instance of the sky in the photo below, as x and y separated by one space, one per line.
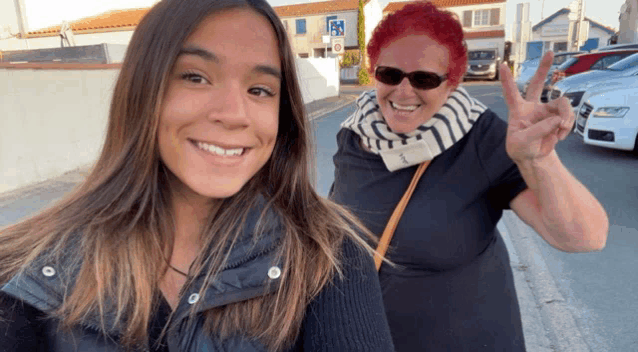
45 13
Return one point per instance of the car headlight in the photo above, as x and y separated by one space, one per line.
611 111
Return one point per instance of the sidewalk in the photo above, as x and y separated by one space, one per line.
547 322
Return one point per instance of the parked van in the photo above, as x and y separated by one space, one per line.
483 64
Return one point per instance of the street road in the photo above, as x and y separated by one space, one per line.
600 288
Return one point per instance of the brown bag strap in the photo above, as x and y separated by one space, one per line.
384 242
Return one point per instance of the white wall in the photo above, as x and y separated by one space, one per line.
54 121
373 13
319 78
628 22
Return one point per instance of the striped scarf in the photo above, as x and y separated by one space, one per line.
400 150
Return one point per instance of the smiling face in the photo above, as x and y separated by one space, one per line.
405 108
219 118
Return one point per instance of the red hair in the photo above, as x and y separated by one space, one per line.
422 17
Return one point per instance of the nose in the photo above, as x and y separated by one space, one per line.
405 86
228 106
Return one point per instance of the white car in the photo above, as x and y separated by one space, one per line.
576 87
610 119
579 94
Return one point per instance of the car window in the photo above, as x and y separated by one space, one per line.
481 55
605 61
625 64
567 64
559 60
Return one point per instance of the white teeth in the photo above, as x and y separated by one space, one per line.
404 107
213 149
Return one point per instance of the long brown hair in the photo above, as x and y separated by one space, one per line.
122 210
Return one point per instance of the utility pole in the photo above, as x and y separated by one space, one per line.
576 17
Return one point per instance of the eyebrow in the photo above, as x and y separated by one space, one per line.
208 56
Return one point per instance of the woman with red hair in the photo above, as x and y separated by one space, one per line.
452 287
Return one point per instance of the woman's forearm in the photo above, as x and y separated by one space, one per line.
570 213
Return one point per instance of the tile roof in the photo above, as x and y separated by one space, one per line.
395 6
128 19
315 8
109 21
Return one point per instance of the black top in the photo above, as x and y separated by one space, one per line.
347 315
454 290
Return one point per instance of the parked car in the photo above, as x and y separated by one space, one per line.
528 68
610 119
579 87
590 61
526 72
617 46
483 64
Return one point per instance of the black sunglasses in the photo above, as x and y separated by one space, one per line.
418 79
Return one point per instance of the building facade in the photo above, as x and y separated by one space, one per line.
628 22
553 32
483 20
307 24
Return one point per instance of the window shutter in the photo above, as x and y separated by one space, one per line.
495 17
467 18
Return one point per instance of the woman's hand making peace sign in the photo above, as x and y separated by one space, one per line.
534 128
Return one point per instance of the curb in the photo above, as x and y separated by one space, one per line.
70 177
554 323
345 99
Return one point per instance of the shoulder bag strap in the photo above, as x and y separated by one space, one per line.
384 242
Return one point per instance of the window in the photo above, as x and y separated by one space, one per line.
481 18
286 25
603 62
560 46
301 26
303 55
328 19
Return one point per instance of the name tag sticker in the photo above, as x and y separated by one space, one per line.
403 156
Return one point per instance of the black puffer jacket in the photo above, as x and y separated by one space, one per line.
347 316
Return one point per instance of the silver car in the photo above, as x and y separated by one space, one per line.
578 87
527 71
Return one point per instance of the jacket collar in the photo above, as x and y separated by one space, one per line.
252 270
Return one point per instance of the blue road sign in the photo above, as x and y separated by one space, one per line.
337 28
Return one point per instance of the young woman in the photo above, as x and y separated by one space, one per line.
198 228
453 288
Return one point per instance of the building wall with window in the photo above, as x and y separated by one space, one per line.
483 20
305 32
552 33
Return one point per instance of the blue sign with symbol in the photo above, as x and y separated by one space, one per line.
337 28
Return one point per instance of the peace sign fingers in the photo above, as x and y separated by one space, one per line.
537 82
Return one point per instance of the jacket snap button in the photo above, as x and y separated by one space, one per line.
274 272
192 299
48 271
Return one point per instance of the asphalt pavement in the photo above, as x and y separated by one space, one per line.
548 323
